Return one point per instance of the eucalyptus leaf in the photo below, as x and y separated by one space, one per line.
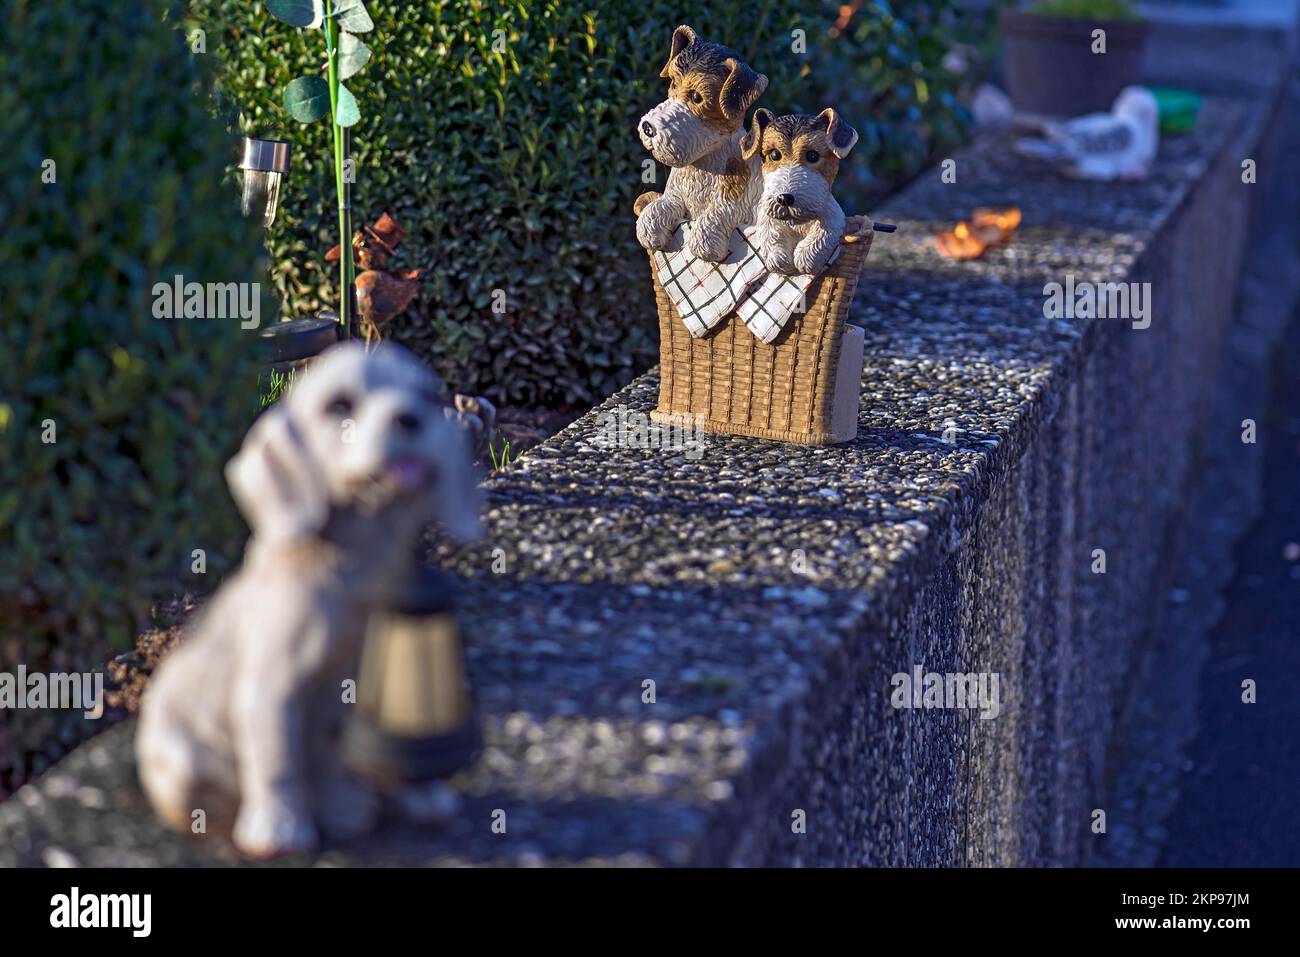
297 13
308 99
347 113
353 55
352 16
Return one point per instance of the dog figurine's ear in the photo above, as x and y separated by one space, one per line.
276 483
841 135
753 140
683 37
740 89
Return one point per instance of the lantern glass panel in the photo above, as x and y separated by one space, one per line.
261 194
264 164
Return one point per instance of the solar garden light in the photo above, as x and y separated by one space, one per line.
313 97
414 720
264 163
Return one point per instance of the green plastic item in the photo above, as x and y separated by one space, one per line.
1178 108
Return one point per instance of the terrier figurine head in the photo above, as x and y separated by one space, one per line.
709 91
801 156
366 431
799 223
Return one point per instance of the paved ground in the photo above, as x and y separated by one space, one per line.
1239 798
1197 777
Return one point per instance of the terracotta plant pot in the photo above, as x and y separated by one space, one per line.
1050 67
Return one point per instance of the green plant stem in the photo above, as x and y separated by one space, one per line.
340 186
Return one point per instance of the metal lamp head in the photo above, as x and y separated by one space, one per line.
264 163
414 719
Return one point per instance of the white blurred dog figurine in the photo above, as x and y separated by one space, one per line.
696 132
799 222
337 482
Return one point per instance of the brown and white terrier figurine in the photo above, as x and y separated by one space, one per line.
799 222
697 132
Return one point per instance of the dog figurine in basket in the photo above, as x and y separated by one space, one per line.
799 222
338 480
696 132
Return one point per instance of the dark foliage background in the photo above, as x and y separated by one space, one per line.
100 524
502 136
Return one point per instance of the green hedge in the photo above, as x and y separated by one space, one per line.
514 167
99 524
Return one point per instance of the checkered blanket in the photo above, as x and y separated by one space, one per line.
706 293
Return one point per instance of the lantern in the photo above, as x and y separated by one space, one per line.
264 163
414 719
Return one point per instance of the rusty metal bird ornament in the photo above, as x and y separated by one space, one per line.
382 294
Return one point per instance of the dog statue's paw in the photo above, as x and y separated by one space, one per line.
653 235
808 262
346 808
711 246
856 228
272 829
810 258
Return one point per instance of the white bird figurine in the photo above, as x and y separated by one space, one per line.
1117 145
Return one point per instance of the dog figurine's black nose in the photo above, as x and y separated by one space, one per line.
648 128
785 199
